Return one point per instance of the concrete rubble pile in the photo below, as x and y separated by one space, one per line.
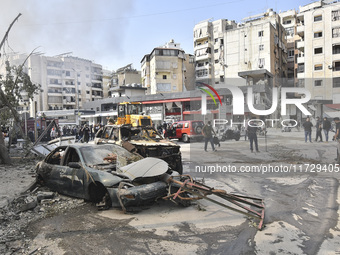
24 209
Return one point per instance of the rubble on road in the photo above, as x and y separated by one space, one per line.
24 209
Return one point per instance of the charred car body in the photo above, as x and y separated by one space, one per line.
106 174
109 175
145 141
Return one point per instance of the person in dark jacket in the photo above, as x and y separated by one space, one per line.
86 133
326 126
252 135
318 129
308 129
208 136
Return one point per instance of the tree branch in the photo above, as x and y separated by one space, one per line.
6 35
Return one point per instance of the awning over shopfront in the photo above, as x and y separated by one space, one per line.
331 114
188 99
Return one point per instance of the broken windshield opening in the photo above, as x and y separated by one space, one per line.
147 133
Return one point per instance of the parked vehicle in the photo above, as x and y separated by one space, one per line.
230 134
145 141
186 130
106 174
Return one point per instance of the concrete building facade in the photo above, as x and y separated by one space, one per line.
124 78
318 61
66 82
225 49
165 69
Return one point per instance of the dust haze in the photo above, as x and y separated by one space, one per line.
94 30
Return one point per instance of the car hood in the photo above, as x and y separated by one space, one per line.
147 167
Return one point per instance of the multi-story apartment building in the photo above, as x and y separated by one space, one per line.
165 69
125 77
255 49
318 59
288 21
107 80
66 82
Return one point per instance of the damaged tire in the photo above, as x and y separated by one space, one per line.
100 196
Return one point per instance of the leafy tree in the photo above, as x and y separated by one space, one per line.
13 84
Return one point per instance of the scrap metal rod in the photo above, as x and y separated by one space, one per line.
189 187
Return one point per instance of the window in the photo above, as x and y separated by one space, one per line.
261 47
336 32
301 68
335 15
336 82
317 34
336 66
164 77
261 62
318 67
261 33
317 18
336 49
290 53
318 50
215 50
216 61
318 83
286 22
289 31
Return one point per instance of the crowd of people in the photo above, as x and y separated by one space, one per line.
320 125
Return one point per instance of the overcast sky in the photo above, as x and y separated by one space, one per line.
115 33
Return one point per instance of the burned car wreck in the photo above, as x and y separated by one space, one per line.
106 174
111 176
145 141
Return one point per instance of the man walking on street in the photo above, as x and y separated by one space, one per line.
252 135
318 129
208 136
326 126
308 129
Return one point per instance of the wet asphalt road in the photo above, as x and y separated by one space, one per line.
301 214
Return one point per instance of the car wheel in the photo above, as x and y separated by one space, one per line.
198 129
185 138
100 196
237 138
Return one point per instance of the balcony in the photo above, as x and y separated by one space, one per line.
68 102
203 46
300 30
97 86
202 57
301 75
301 60
300 45
203 67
